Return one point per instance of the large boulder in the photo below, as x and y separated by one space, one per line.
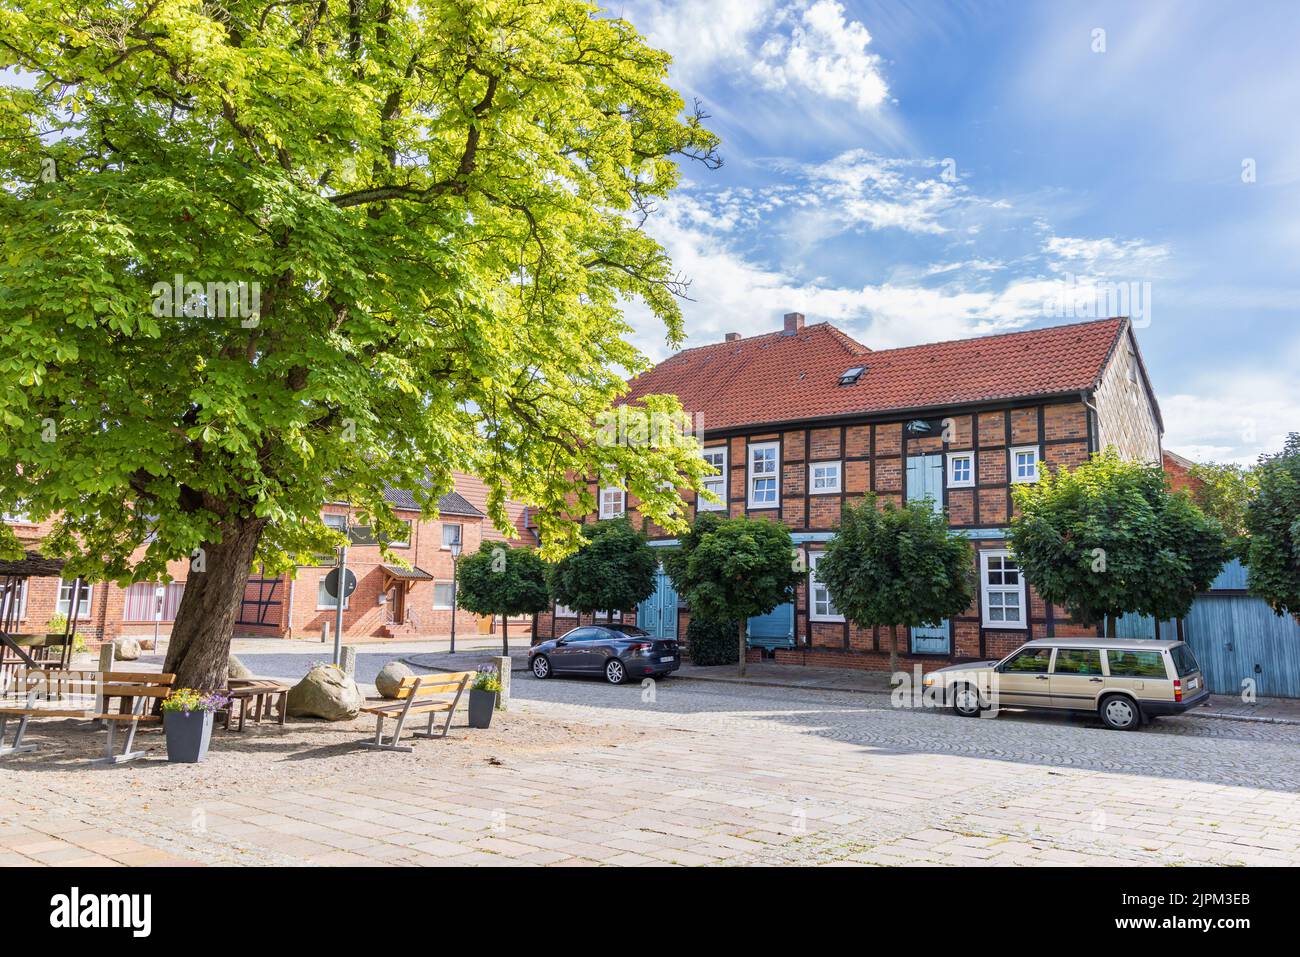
126 649
326 693
390 677
238 669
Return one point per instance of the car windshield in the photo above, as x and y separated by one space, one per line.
1185 662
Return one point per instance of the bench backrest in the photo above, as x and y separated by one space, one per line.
449 683
110 684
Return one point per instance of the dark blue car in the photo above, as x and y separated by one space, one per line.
618 652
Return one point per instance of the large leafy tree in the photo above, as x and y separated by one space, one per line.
888 566
613 568
505 581
1273 520
731 569
254 255
1223 491
1109 538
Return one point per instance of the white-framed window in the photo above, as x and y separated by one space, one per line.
823 478
564 611
717 484
1002 591
820 606
613 501
327 602
442 594
1024 463
64 604
961 469
451 535
142 601
6 596
765 475
335 521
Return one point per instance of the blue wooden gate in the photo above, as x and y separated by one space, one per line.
775 629
658 613
930 639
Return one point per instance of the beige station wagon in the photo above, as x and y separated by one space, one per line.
1123 682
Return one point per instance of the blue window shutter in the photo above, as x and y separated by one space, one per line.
915 478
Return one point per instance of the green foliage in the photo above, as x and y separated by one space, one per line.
1273 520
1109 538
487 680
433 211
58 623
499 580
1223 491
711 642
612 570
731 569
889 566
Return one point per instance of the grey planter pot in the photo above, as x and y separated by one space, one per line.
481 705
188 735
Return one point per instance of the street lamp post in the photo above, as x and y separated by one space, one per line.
455 562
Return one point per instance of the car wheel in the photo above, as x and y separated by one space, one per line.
541 667
1119 713
615 673
966 702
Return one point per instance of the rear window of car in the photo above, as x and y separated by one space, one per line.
632 631
1136 664
1185 662
1078 661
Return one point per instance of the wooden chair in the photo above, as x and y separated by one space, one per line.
53 694
418 694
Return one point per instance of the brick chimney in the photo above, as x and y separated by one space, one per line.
793 323
733 336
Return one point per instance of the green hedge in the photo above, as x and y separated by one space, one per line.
712 642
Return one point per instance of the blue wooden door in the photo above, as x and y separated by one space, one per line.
1237 638
930 639
658 613
925 479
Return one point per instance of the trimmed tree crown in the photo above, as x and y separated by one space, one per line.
500 580
613 570
1273 520
732 569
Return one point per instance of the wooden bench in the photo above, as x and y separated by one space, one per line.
418 694
54 694
257 692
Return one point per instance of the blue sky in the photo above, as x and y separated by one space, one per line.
918 171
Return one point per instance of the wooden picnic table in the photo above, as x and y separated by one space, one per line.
257 692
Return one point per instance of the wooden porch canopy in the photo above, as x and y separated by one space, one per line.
14 645
407 576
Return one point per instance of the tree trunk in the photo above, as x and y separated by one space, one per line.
741 670
198 652
505 639
893 652
1112 626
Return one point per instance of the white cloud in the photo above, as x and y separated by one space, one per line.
806 47
1106 256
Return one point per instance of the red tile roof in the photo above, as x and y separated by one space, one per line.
776 378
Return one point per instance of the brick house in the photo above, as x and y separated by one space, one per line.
804 421
389 601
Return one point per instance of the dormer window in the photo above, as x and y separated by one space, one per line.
850 376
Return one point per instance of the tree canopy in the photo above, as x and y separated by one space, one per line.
1109 538
259 255
888 566
1223 491
505 581
1273 520
613 569
731 569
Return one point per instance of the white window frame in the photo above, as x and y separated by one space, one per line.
815 586
838 466
775 474
320 587
563 611
460 535
336 521
720 480
436 606
986 588
22 602
607 509
1011 464
953 481
63 606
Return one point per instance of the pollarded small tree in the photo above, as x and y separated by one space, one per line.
731 569
1109 538
891 566
1273 520
613 569
505 581
1223 491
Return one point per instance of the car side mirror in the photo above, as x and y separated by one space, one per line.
561 641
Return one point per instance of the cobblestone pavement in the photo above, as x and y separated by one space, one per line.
692 772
